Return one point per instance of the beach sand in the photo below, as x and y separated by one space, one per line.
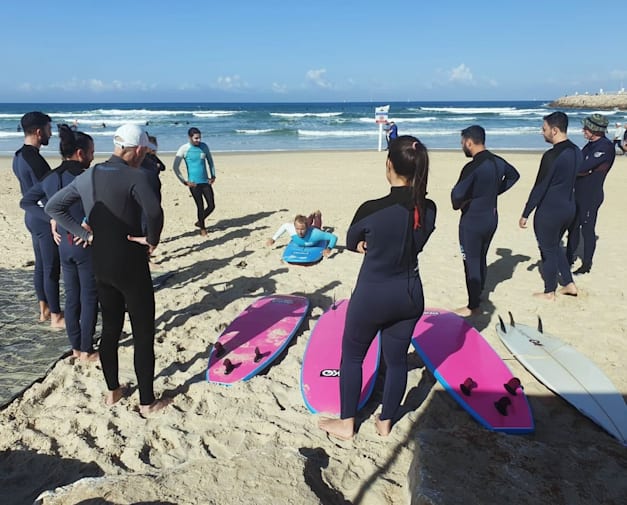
256 442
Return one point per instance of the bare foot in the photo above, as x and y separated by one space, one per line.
113 397
90 356
44 312
155 406
570 289
203 232
545 296
76 353
344 429
57 321
466 312
383 427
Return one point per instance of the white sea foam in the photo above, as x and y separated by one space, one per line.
337 133
214 113
470 110
255 132
298 115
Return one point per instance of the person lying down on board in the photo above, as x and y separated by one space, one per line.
306 232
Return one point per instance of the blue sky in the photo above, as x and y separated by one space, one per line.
138 51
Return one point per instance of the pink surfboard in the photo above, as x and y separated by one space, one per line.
472 372
255 338
320 374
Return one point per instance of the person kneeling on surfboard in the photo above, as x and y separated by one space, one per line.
306 232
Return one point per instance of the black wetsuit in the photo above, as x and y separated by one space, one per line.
30 167
553 199
598 158
81 299
114 196
388 295
475 193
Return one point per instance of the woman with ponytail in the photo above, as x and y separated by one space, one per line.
390 232
81 300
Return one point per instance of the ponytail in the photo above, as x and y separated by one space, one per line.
71 141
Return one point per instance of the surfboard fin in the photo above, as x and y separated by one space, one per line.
219 349
468 386
540 329
258 355
502 404
228 366
502 325
512 385
511 320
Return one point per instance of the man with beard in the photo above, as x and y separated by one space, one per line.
552 198
475 194
30 167
598 157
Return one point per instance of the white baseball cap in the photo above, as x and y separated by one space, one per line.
132 135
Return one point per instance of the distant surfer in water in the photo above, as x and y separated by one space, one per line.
390 232
552 197
475 194
306 232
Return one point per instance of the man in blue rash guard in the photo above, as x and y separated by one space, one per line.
475 194
553 199
30 167
598 157
306 232
197 156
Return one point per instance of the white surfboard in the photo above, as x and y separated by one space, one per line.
568 373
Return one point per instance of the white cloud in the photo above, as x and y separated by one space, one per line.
93 85
317 78
231 82
461 73
279 88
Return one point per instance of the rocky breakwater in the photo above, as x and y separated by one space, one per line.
602 102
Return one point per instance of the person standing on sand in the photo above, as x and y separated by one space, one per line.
475 194
81 299
30 167
598 157
619 134
553 199
114 195
390 232
197 156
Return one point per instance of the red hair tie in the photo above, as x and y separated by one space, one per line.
416 218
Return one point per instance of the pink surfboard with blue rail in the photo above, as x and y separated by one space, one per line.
472 372
255 338
320 373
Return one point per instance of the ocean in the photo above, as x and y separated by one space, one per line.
248 127
245 127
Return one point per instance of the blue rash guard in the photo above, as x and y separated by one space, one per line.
553 199
196 159
476 192
388 295
598 158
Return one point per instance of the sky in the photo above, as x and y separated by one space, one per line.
320 50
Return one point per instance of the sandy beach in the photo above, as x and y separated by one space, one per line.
256 442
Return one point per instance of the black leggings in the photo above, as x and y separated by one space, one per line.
394 308
128 289
199 192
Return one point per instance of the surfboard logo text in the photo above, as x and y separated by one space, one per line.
330 372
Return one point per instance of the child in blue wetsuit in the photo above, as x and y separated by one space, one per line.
390 232
306 232
553 199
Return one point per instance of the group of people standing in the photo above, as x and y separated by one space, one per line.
99 227
393 230
107 221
